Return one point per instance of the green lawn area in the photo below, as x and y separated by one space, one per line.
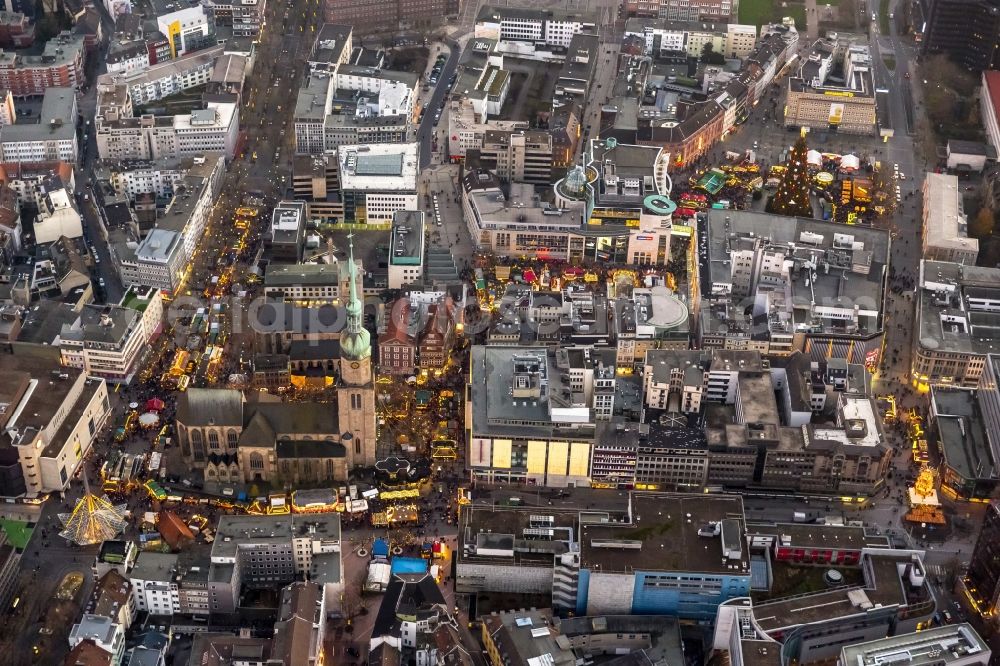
883 17
762 12
18 532
135 303
790 581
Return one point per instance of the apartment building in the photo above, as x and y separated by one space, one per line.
161 257
108 342
270 551
58 216
60 65
120 136
29 179
112 598
56 411
134 178
153 83
154 583
946 226
333 45
106 634
531 33
53 138
662 37
188 29
518 156
125 57
343 104
467 128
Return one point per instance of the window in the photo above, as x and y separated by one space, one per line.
256 461
213 440
232 439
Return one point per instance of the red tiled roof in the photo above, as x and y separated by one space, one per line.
992 79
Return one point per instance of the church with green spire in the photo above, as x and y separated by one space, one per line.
355 383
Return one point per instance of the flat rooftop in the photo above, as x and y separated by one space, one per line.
379 167
299 275
518 207
962 434
45 397
497 534
664 536
956 310
229 68
860 424
407 238
56 119
945 223
311 100
850 264
158 246
801 535
64 48
937 646
215 115
757 398
234 531
167 69
494 14
884 586
154 566
330 43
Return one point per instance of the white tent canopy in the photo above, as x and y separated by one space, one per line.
850 163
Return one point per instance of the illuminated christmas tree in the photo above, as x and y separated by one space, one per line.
792 197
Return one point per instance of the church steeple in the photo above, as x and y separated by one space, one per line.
355 344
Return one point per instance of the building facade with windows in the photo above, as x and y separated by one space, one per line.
264 552
60 65
56 413
953 338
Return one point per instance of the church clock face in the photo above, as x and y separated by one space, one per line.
355 365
